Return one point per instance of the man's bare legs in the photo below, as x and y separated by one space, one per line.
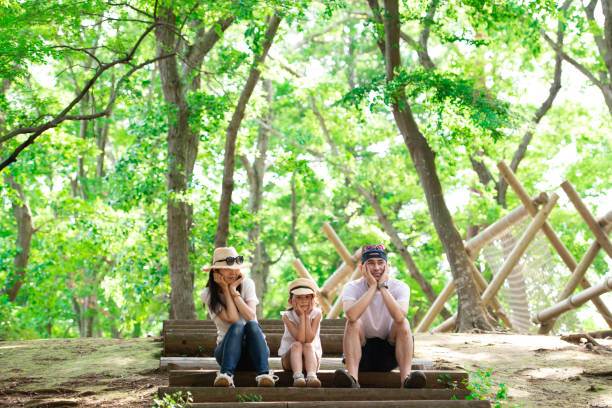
401 336
354 338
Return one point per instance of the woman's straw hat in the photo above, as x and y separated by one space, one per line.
220 256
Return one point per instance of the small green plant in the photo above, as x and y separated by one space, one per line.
249 398
176 400
445 380
482 387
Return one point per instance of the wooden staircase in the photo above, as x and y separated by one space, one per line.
191 343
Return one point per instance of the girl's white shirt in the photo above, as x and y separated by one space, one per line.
287 340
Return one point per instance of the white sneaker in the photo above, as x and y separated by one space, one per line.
299 380
266 380
313 382
224 380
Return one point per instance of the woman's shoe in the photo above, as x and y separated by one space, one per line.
224 380
266 380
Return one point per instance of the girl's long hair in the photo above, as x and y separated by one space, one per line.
216 303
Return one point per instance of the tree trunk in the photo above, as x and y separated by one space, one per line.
471 313
231 135
255 172
182 151
25 230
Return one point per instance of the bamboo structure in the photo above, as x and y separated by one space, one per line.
337 307
473 247
574 301
509 264
606 224
554 240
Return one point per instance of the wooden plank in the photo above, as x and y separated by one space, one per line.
194 344
263 322
348 404
213 394
206 378
209 363
266 330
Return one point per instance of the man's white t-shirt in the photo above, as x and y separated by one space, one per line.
247 293
376 319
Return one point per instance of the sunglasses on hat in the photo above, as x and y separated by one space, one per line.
371 247
231 259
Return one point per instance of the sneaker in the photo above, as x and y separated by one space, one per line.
224 380
342 379
416 379
266 380
298 380
313 382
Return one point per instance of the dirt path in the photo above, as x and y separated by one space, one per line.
540 371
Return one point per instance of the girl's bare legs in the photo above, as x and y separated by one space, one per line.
296 364
311 362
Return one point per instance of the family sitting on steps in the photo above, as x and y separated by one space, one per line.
377 335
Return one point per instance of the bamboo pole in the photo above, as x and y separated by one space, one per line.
574 281
337 307
303 273
554 240
482 286
574 301
518 250
590 221
337 243
436 307
345 269
474 245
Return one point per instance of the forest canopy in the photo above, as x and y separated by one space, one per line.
136 136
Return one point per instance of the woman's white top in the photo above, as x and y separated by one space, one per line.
247 293
288 339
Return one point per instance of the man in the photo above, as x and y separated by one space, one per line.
377 335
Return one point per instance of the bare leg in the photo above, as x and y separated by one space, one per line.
286 361
310 358
296 357
402 337
353 339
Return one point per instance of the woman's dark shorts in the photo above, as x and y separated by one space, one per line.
377 355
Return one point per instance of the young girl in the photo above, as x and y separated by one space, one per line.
231 301
300 346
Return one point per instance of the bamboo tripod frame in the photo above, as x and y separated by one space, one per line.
348 270
529 206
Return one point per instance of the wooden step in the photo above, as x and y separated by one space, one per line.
196 344
209 363
206 378
348 404
267 394
262 322
271 330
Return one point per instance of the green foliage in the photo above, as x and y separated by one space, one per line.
176 400
482 387
249 398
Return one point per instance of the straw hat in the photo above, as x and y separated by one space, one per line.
302 286
219 259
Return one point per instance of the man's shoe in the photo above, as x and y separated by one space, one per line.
266 380
342 379
224 380
416 379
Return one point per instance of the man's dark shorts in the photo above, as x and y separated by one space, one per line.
377 355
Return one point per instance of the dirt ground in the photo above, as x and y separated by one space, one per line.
539 371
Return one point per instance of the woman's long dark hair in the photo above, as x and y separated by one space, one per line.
216 303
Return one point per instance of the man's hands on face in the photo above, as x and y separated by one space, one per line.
370 280
385 276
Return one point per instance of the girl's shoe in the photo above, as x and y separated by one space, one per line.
224 380
313 382
298 380
266 380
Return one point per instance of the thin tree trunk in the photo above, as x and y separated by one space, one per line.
471 313
25 231
294 219
255 172
182 152
231 135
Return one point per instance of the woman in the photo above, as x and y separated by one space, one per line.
231 300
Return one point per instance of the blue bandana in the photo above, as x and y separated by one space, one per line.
373 253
